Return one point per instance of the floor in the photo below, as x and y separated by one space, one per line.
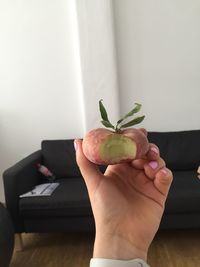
169 249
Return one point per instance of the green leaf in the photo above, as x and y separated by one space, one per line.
133 111
103 111
133 122
107 124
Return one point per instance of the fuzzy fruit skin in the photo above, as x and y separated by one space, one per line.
94 138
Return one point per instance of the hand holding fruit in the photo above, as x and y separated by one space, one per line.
127 202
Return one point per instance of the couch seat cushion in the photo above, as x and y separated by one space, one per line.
70 198
184 194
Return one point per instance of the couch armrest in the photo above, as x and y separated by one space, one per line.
19 179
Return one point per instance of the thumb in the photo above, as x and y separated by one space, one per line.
163 180
89 170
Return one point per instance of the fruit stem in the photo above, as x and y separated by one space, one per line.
117 130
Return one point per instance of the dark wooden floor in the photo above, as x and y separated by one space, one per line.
169 249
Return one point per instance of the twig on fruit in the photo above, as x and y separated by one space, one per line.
105 121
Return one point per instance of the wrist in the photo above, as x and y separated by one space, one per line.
115 247
117 263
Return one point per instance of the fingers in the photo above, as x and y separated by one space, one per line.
89 170
163 180
138 163
152 154
152 167
156 171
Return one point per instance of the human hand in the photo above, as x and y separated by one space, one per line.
127 201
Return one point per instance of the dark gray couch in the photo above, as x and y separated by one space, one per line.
6 237
68 209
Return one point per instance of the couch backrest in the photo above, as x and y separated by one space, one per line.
59 157
180 150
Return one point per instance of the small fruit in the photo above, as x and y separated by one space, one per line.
106 147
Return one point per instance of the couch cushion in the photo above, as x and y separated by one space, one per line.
180 150
70 198
184 194
59 157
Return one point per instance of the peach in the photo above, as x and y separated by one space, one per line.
104 147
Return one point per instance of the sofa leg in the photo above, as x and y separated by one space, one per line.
18 242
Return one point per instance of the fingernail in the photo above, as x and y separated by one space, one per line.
164 171
75 145
154 149
153 164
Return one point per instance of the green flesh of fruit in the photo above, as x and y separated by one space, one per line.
117 147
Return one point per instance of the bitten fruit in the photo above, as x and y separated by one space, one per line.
106 147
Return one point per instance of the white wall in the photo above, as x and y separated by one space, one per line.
98 59
159 61
39 77
57 61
